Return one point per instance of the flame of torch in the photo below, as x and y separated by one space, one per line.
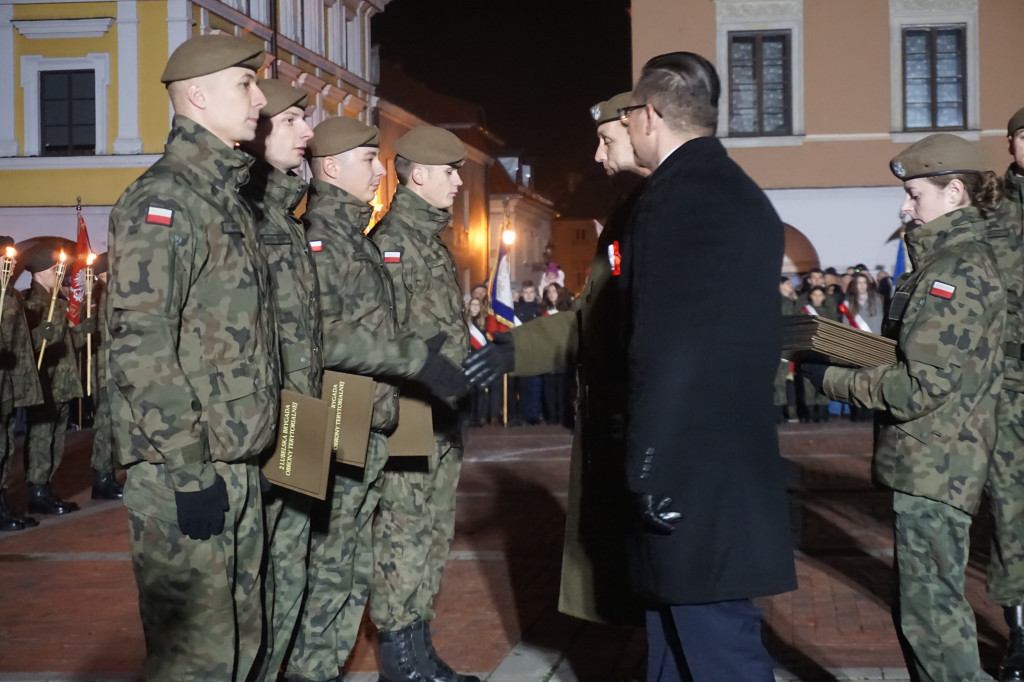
57 279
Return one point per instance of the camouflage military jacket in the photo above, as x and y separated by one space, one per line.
358 298
1006 237
19 380
427 293
275 195
192 355
938 401
59 372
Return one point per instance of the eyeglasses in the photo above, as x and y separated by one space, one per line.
623 112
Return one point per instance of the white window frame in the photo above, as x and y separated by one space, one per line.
905 14
761 15
32 65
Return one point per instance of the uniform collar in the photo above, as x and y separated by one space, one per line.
205 154
1015 184
325 198
952 229
280 189
407 201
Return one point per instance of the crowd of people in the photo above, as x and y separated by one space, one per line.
522 401
219 297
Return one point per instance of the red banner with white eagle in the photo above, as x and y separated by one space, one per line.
78 273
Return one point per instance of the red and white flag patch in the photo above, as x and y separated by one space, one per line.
942 290
316 246
159 216
392 256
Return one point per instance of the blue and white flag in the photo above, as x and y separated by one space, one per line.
502 305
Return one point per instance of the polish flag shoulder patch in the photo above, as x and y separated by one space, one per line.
942 290
159 216
316 246
392 256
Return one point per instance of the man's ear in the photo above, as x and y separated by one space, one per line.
196 95
418 174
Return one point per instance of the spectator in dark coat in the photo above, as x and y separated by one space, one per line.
702 452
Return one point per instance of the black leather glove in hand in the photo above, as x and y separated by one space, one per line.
655 513
491 361
201 513
48 332
814 372
87 325
439 374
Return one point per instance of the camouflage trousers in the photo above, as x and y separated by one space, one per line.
411 540
1006 495
102 443
286 518
200 600
44 442
7 412
340 567
932 549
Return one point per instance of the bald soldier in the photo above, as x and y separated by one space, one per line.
414 528
193 371
594 579
274 190
360 337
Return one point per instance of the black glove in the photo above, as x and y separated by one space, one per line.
656 515
87 325
8 360
814 372
201 513
48 331
265 485
491 361
439 374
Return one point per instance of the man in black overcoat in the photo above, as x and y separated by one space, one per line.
702 452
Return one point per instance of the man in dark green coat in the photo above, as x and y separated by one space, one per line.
594 582
19 387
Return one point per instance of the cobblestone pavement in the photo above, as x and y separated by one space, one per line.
70 609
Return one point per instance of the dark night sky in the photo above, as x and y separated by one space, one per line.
536 67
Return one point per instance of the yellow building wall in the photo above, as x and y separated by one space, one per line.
60 187
154 107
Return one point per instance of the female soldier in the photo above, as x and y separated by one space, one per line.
937 403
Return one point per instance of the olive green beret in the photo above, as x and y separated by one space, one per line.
431 146
339 134
45 252
5 241
1016 123
100 265
281 96
206 54
603 112
938 154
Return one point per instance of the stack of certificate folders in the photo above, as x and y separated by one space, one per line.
811 338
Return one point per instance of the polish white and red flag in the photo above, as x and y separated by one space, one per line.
942 290
159 216
855 321
76 301
809 309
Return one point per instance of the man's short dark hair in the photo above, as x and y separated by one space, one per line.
683 87
403 169
528 283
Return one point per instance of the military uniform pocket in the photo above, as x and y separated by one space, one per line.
237 409
934 428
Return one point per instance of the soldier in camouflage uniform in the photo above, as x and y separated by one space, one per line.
193 373
1006 473
416 523
937 404
594 579
104 481
274 190
19 387
48 422
360 337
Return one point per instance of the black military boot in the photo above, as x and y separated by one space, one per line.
105 486
42 500
9 519
1013 665
400 659
441 671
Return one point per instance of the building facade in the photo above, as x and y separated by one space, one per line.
82 109
818 95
